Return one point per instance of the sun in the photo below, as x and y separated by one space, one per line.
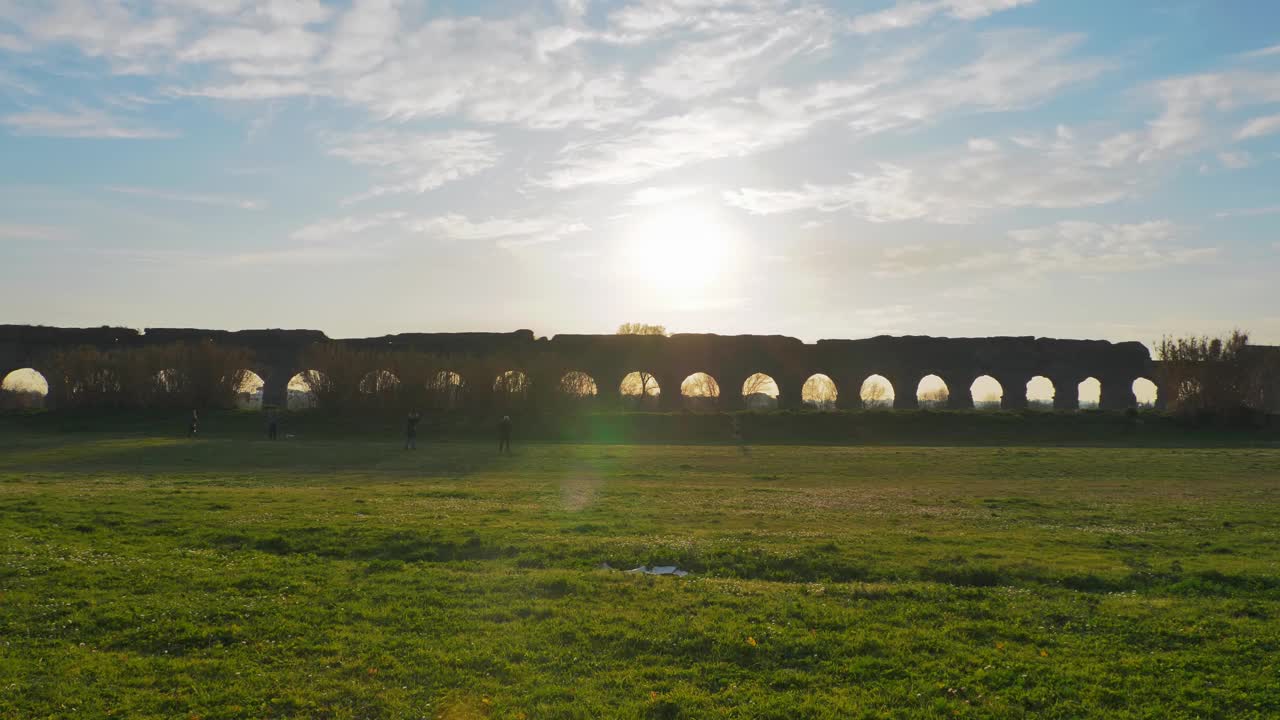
679 250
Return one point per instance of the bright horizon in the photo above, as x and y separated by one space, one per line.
818 170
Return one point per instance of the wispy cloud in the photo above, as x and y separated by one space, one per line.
663 195
909 13
79 123
417 163
1249 212
507 232
183 197
1259 126
9 231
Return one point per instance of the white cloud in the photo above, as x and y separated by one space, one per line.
909 13
195 198
10 231
345 227
663 195
1249 212
288 44
1030 171
1066 247
507 232
78 123
1235 160
1264 52
1258 127
707 66
417 163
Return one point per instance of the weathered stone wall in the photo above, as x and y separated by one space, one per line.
1013 361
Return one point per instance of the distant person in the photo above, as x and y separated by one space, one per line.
411 431
504 435
193 428
737 435
272 425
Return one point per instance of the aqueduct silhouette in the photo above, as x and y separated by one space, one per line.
730 360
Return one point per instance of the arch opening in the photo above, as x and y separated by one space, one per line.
1145 393
932 393
1089 393
819 392
760 392
987 393
445 390
249 392
877 393
304 388
23 389
577 384
640 390
1040 393
700 391
511 388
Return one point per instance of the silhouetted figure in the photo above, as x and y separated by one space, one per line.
272 425
193 428
737 435
504 435
411 431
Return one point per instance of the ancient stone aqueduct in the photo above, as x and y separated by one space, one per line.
903 361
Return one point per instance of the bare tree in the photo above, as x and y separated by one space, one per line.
819 392
641 329
577 384
874 394
640 383
934 398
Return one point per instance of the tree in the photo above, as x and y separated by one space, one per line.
819 392
935 398
874 394
641 384
641 329
577 384
1210 374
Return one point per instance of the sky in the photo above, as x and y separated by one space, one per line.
1059 168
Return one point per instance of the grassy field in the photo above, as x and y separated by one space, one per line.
151 577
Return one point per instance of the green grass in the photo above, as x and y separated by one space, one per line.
147 577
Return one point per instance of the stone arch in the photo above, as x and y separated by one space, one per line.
932 393
304 389
1146 394
24 388
1089 391
760 392
877 393
446 390
249 393
987 392
820 392
578 385
381 387
511 389
700 391
640 390
1041 393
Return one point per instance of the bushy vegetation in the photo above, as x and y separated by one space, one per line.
1199 375
148 577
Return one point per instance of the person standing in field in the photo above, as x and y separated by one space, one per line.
194 426
272 422
504 435
411 431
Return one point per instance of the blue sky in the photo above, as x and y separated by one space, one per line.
1063 168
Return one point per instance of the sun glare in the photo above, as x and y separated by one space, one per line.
679 250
